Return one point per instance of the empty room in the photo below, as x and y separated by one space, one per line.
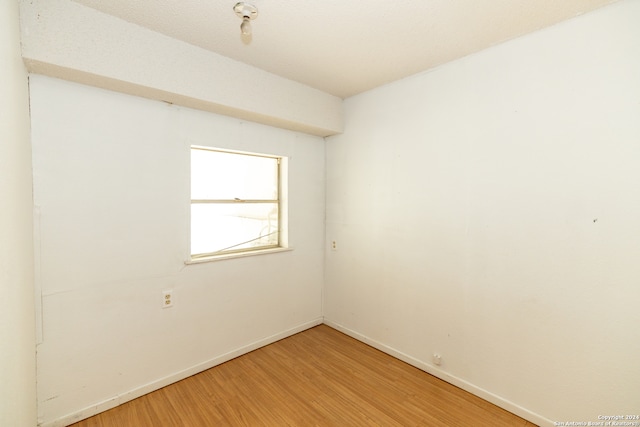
320 213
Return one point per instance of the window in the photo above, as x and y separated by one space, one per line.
235 202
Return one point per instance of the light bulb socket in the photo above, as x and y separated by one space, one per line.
245 10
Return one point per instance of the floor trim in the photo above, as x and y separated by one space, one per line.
112 402
451 379
180 375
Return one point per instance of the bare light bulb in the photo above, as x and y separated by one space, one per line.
245 27
246 12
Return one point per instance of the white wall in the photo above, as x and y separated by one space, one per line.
64 39
489 211
17 338
111 185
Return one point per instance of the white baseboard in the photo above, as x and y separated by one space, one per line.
439 373
163 382
107 404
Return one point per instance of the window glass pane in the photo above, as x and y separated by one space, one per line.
233 226
216 176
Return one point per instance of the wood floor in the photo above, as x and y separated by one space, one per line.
319 377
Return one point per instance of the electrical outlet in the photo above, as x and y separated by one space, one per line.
437 359
167 299
334 245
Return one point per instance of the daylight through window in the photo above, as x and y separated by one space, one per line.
235 202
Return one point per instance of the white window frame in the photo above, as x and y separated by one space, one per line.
281 201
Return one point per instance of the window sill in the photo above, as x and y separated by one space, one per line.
236 255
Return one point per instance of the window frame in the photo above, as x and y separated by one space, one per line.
279 201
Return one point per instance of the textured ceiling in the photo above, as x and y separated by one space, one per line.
346 47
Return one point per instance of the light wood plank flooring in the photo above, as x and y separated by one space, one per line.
319 377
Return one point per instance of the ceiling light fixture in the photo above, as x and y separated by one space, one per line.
247 12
